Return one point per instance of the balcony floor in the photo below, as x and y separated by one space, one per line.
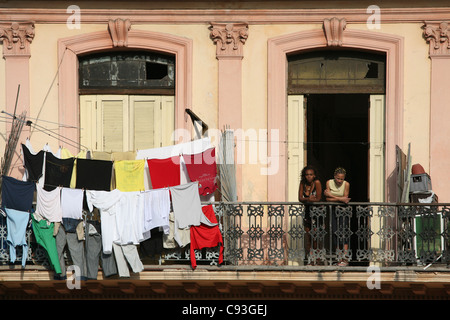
233 283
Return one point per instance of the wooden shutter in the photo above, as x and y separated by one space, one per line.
376 152
144 122
113 112
126 123
167 120
296 133
88 121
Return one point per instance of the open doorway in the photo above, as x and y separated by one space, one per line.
337 127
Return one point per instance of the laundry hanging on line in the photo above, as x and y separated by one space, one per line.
51 213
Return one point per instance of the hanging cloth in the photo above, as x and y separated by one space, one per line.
202 167
34 163
156 209
129 175
72 203
204 236
164 172
105 202
66 154
191 147
121 214
94 174
43 232
16 224
187 207
58 172
48 204
17 194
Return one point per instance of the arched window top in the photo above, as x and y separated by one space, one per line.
130 72
336 71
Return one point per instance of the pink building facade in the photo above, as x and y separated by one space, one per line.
414 41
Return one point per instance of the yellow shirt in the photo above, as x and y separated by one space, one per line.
129 175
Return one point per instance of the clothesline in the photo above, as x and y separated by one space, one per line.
66 170
181 199
49 132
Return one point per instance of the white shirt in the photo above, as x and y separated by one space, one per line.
121 214
48 204
72 203
157 209
187 207
105 201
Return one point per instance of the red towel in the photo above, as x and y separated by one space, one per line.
164 172
202 167
204 236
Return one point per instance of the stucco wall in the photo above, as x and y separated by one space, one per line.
416 112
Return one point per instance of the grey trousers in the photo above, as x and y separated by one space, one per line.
130 253
76 250
94 254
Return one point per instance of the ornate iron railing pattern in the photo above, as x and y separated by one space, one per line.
290 233
360 233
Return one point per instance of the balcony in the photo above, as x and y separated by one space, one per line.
279 249
363 234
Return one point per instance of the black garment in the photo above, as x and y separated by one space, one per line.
94 174
33 163
58 172
17 194
153 245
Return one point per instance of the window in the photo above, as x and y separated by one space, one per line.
126 122
336 72
127 72
126 100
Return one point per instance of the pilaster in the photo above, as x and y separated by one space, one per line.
17 38
437 36
229 39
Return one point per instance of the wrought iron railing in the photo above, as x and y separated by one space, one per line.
292 234
280 233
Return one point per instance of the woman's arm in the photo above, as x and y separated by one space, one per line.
331 198
300 193
318 195
328 195
347 189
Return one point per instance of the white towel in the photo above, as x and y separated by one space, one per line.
72 203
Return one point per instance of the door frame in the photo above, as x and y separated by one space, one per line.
297 153
279 47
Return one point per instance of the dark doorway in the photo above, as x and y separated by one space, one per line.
337 136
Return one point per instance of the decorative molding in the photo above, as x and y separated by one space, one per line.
334 31
437 36
204 16
229 38
16 38
118 29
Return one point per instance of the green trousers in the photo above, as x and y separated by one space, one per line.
43 233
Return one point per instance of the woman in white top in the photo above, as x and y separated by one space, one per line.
337 190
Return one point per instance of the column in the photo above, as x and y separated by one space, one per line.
16 38
437 35
230 39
